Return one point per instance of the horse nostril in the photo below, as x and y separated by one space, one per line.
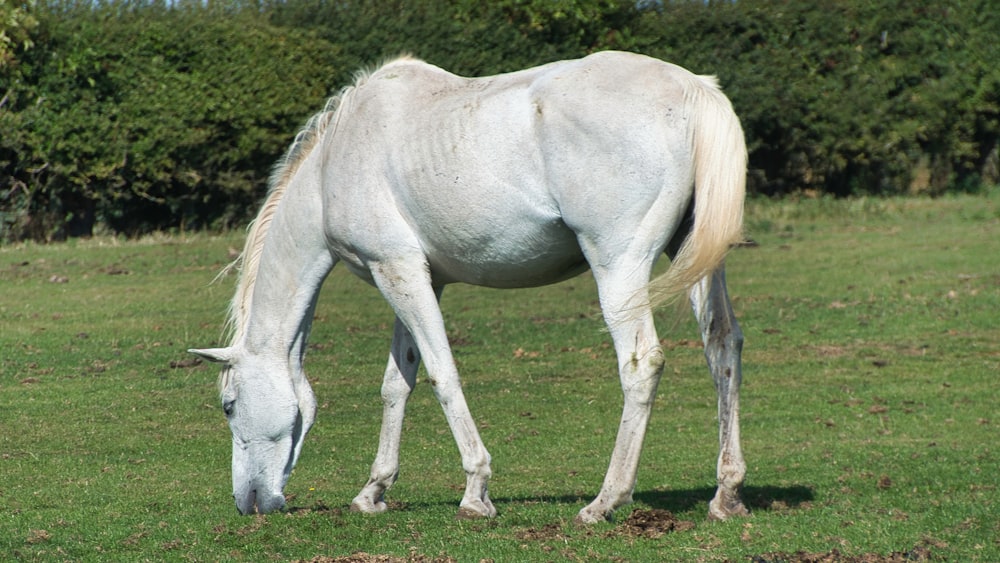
246 503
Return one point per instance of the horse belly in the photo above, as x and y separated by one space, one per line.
475 195
509 254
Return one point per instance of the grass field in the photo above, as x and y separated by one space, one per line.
869 406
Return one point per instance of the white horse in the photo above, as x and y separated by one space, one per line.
415 178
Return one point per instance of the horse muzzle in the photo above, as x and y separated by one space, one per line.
258 488
251 502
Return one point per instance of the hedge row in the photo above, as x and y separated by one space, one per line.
133 116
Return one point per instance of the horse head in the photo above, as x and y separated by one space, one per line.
268 415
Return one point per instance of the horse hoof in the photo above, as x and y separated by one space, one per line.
368 507
466 514
469 514
590 517
729 506
475 511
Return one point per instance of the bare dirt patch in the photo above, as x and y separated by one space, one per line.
362 557
545 533
651 524
916 554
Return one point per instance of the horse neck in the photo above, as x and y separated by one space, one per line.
293 264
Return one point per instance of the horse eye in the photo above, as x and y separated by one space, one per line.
227 407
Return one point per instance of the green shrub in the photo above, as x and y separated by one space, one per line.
141 115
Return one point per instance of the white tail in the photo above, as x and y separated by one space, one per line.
720 165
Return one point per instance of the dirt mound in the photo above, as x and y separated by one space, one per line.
651 524
915 554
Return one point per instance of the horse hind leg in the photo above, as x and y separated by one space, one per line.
640 365
397 384
723 341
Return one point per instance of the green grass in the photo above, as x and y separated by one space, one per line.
869 399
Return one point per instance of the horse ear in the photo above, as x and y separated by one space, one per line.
218 355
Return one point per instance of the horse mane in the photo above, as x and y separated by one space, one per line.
247 263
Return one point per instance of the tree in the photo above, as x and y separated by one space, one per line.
16 25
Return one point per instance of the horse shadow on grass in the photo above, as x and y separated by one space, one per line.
756 498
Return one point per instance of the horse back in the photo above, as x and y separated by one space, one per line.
481 173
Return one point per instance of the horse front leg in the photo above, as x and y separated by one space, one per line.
399 381
723 342
415 302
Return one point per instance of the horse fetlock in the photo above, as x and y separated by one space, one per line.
732 470
371 499
478 470
602 509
